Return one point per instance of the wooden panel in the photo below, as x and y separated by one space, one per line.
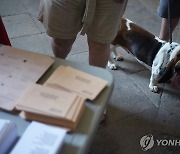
18 68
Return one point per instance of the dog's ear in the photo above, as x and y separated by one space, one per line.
168 72
119 40
177 66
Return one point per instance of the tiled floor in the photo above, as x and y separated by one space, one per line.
133 111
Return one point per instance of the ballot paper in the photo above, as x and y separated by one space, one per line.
40 138
8 135
86 85
52 106
18 68
41 99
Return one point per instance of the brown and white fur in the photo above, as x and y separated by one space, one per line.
160 56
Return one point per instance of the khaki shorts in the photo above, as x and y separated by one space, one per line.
99 19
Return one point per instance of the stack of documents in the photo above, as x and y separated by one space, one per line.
8 135
84 84
61 100
51 106
39 138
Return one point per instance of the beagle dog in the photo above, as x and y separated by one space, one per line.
160 56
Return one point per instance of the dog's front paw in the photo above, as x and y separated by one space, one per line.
154 89
112 66
118 57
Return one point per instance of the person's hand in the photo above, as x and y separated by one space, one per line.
119 1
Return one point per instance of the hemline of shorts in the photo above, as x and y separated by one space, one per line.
72 36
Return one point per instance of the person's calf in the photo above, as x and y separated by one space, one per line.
98 56
164 31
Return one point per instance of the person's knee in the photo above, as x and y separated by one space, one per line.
98 53
63 43
61 47
96 45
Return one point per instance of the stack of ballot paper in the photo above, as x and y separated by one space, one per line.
61 100
51 106
40 138
8 135
84 84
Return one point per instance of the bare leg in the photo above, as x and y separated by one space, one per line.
164 32
62 47
98 53
98 56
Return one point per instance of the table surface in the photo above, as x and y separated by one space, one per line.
79 141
